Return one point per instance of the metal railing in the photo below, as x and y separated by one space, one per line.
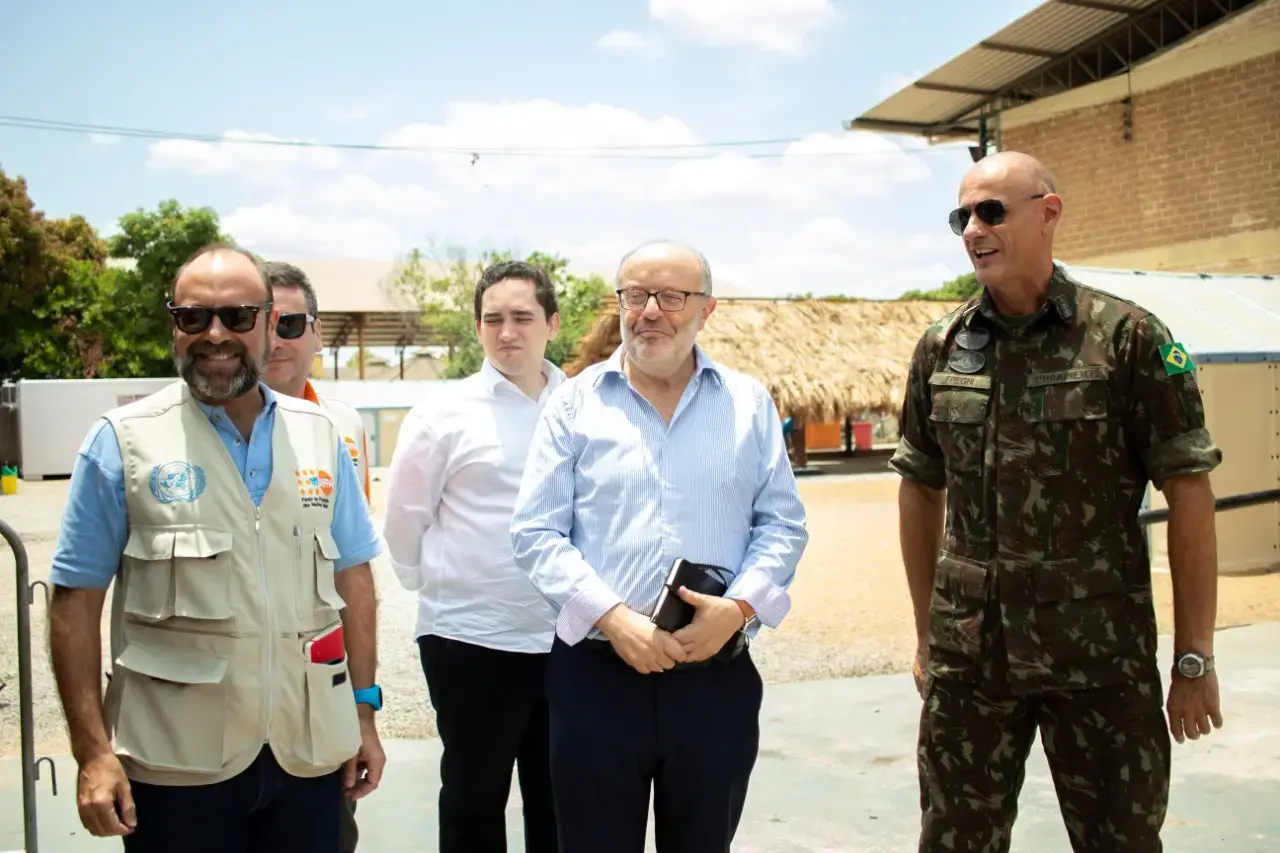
1155 516
30 764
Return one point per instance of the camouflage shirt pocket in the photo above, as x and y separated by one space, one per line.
956 614
1084 615
960 421
1068 412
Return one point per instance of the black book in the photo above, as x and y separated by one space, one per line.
672 612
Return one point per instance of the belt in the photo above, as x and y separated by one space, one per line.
730 651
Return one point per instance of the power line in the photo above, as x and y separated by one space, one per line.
591 152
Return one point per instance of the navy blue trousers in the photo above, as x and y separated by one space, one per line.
690 736
262 810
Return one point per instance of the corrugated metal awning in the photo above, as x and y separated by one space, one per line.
1215 317
1058 46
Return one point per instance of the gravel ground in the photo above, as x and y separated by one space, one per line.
850 616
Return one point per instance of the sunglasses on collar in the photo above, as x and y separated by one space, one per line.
194 319
991 211
291 326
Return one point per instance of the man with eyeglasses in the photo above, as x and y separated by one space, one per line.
243 623
657 455
299 338
1035 416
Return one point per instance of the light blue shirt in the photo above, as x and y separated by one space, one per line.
611 496
95 524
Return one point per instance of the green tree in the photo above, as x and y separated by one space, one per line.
158 242
38 258
958 289
443 285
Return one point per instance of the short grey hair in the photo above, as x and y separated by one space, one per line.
279 274
704 287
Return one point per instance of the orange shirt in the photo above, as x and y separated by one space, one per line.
309 393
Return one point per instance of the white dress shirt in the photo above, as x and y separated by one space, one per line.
452 486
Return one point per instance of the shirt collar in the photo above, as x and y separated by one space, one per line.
1060 299
701 362
309 393
211 411
492 378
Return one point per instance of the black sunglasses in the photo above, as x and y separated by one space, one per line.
194 319
291 326
992 211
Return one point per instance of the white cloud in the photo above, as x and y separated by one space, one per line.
819 168
776 26
276 228
793 223
272 160
103 139
626 41
361 193
577 148
831 255
891 84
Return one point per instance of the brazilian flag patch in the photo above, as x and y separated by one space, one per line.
1175 359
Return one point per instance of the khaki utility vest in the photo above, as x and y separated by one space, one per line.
351 426
216 599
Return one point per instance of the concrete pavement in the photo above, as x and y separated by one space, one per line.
837 773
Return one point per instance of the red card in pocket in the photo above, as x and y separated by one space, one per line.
328 647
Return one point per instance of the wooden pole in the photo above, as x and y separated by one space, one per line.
360 342
798 445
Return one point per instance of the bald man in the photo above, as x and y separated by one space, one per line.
654 456
1035 416
242 623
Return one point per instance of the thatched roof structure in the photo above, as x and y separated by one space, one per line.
821 360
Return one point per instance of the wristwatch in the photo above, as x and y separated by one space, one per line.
1192 665
371 696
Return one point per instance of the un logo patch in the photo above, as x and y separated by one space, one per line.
177 482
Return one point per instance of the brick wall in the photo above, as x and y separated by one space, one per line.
1204 162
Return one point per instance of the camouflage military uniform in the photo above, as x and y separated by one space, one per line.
1044 431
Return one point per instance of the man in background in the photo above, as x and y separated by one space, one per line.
483 629
298 340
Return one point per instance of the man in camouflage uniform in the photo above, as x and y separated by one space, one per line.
1035 415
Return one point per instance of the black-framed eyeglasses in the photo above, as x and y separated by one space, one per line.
991 211
291 326
194 319
635 299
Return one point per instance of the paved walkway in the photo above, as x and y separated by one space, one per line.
837 773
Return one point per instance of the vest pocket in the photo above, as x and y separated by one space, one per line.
172 706
318 590
184 572
333 727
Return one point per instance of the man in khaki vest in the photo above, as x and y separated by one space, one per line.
298 341
243 636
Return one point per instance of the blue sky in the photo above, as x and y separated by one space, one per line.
502 74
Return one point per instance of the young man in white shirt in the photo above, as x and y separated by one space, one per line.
484 631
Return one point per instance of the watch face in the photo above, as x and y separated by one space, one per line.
1191 666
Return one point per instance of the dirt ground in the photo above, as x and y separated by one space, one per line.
851 613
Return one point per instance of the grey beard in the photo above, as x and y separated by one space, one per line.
241 382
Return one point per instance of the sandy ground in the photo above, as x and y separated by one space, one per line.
851 612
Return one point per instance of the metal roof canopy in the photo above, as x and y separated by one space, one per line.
1058 46
1216 317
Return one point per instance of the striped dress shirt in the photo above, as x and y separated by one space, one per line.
611 496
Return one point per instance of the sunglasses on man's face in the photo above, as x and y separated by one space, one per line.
291 326
991 211
194 319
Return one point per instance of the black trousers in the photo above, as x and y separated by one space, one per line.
262 810
691 735
491 711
